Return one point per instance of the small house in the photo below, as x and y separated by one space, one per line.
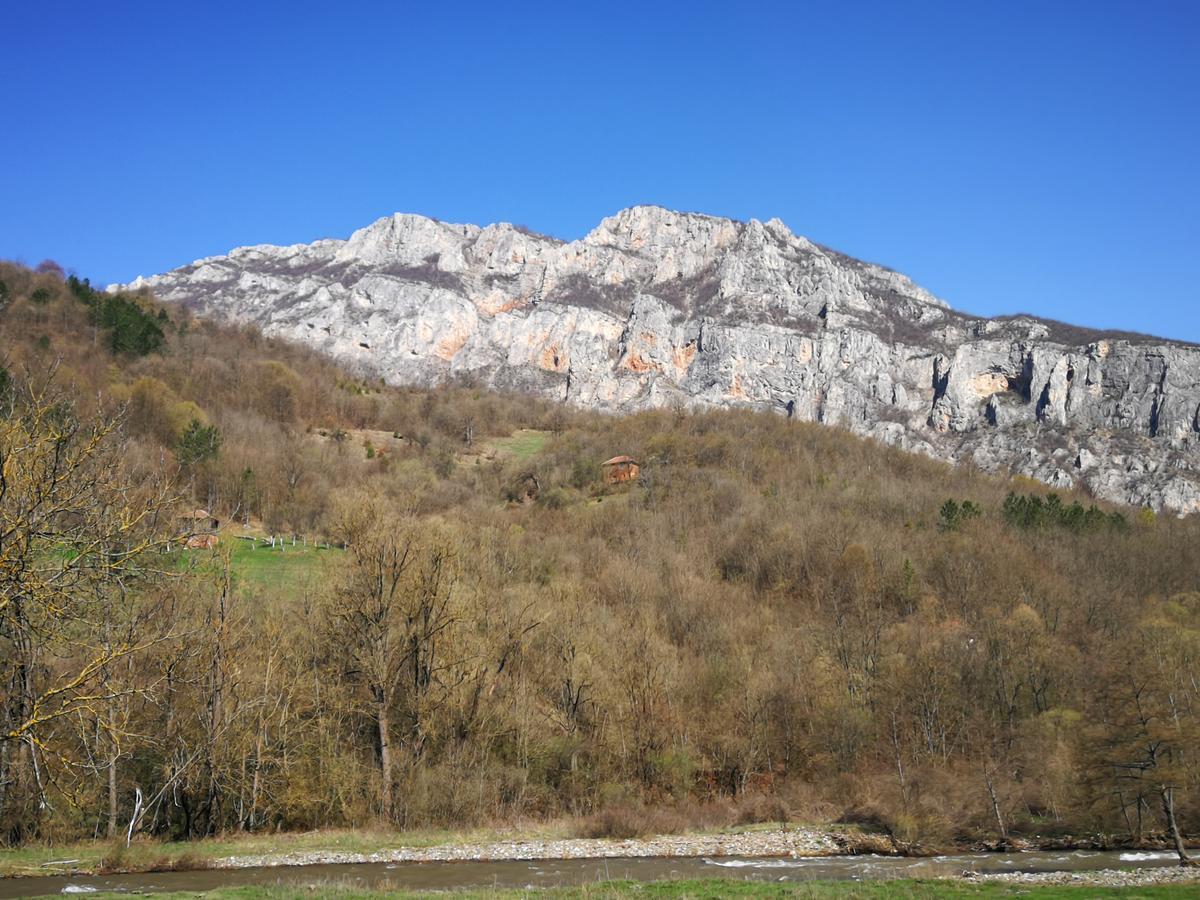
199 521
620 469
198 529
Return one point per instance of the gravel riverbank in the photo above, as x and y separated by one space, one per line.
1098 878
782 842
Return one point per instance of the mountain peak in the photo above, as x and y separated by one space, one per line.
655 307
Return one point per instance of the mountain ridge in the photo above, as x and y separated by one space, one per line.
658 308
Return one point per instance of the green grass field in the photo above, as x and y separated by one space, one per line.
258 565
715 889
520 444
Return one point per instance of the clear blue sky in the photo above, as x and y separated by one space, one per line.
1013 156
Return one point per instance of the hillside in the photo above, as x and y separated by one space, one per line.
775 620
659 309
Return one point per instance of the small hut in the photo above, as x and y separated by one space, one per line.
198 529
198 521
619 469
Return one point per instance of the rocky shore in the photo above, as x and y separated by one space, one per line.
782 842
1098 878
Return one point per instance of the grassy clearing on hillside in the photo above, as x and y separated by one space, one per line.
520 444
258 565
713 889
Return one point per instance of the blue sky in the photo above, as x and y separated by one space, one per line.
1040 157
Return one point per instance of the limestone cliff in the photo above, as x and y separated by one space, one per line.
657 308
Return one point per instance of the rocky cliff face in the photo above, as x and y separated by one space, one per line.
657 308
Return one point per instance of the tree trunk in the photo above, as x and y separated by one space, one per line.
1125 814
386 793
996 808
112 771
1168 804
4 776
216 710
112 796
899 762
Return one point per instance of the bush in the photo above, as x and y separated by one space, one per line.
952 515
131 330
628 820
674 772
444 463
555 498
198 443
1030 511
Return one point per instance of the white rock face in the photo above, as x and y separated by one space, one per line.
655 307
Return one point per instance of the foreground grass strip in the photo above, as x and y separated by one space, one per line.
714 889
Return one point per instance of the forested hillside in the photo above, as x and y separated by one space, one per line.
774 620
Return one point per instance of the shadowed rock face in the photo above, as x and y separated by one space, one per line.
657 308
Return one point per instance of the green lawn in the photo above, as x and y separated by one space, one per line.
258 565
715 889
289 566
520 444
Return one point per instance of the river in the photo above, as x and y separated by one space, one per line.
550 873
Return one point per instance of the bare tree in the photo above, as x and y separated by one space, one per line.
391 614
76 531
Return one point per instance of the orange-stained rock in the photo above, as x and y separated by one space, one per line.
202 542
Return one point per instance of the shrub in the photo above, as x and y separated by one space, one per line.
198 443
1028 511
131 330
555 498
952 515
444 463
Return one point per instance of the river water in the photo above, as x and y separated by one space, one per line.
550 873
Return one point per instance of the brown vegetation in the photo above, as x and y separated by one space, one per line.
776 618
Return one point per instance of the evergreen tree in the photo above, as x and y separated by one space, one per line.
198 443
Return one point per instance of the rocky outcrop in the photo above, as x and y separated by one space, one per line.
657 308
